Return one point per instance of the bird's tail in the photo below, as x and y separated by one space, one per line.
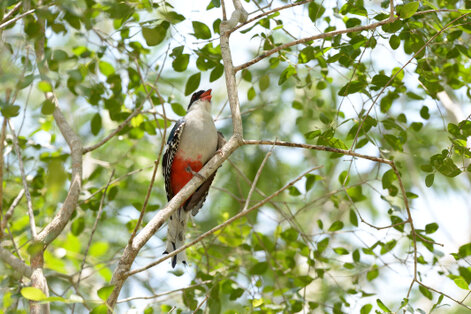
176 235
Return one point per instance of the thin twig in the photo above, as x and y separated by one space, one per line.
444 294
95 225
399 71
156 162
269 12
2 142
390 19
224 224
158 295
12 207
32 223
115 131
113 182
255 180
10 13
201 303
16 18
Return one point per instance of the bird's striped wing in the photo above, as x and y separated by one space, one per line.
197 199
169 155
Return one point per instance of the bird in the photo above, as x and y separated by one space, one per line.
191 143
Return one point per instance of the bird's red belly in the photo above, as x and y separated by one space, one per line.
180 175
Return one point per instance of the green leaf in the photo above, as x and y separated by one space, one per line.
351 88
424 113
353 218
431 228
373 273
202 31
310 180
178 109
388 246
425 292
48 107
100 309
341 251
33 294
259 268
264 82
251 93
216 72
322 245
95 124
192 83
460 282
365 309
247 75
10 111
356 194
337 225
380 80
394 42
77 226
388 178
45 86
408 9
106 68
315 11
156 35
287 73
181 62
105 292
465 250
382 306
294 191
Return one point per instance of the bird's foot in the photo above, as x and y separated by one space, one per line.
188 169
219 152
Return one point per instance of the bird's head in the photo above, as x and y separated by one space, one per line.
201 99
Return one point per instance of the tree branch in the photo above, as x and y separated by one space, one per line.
399 71
224 224
58 223
13 205
131 250
231 84
114 132
15 263
16 18
158 295
32 223
2 142
390 19
268 13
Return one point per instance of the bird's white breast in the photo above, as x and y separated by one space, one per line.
199 137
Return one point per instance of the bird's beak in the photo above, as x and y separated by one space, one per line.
206 95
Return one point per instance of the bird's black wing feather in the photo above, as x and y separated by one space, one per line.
197 199
167 160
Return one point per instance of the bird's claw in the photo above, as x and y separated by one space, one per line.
188 169
219 152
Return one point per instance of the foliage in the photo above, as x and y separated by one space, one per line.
337 241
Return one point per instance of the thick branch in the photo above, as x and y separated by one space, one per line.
231 84
131 250
55 227
224 224
15 263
